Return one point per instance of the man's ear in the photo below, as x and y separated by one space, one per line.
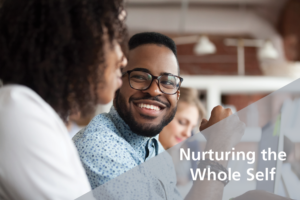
178 94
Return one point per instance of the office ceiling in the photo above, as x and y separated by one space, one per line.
202 16
251 18
255 2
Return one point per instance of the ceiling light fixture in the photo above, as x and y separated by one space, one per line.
204 46
267 51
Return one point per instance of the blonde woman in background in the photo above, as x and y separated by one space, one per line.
190 111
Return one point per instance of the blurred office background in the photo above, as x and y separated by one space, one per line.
235 52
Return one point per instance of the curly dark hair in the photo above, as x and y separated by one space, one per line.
55 47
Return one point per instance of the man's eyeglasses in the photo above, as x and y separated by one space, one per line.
140 80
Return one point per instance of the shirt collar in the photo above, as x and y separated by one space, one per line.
135 140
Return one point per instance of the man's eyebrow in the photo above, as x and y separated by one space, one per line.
166 73
141 69
148 71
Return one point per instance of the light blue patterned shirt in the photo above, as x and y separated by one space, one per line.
108 148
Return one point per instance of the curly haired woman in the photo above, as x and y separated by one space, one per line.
57 57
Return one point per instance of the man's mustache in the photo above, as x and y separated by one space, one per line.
149 97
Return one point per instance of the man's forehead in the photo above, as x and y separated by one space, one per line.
157 59
149 71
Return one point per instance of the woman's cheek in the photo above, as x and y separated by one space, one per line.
177 130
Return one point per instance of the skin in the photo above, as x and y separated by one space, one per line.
213 190
180 128
114 61
156 60
110 80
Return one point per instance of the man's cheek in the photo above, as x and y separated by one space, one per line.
173 102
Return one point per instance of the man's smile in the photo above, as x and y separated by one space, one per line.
149 107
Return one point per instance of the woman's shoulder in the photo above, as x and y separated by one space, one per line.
19 104
12 96
23 99
33 136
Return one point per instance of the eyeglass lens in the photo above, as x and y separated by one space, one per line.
141 80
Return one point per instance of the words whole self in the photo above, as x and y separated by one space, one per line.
198 174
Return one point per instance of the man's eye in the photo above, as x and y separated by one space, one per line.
137 77
170 83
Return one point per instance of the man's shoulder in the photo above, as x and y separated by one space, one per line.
101 122
105 154
101 133
101 127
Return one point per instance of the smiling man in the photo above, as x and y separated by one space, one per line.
147 101
127 136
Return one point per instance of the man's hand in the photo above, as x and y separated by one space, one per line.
223 131
217 114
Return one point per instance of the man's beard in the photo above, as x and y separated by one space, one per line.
141 129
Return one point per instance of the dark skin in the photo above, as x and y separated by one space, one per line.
155 60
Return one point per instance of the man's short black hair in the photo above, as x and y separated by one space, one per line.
152 38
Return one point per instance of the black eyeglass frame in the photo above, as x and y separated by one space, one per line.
153 77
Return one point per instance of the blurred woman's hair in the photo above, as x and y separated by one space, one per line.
191 97
55 47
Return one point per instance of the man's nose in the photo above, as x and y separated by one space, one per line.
154 90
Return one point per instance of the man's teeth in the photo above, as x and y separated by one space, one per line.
148 106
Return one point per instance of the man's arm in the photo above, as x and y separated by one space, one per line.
220 138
